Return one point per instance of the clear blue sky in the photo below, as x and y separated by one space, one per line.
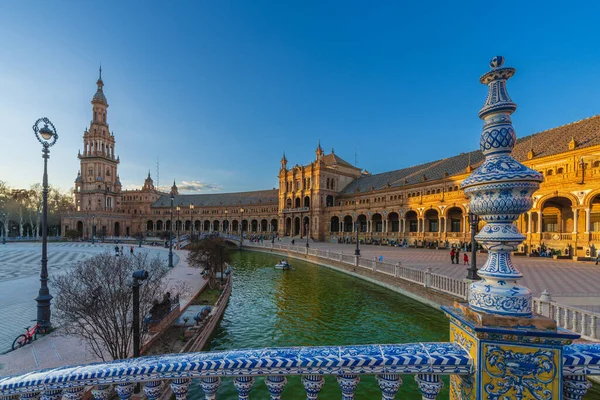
219 89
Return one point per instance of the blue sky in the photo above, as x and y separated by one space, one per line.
217 90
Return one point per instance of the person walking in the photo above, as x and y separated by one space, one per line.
457 255
452 254
466 259
597 256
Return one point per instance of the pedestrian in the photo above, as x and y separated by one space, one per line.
452 253
131 250
293 241
121 250
597 256
466 259
457 255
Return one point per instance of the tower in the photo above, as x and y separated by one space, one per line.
319 152
97 186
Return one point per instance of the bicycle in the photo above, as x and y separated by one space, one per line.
30 334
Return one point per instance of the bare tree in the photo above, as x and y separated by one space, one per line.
94 300
210 253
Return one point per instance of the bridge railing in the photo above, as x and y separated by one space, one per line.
577 320
427 361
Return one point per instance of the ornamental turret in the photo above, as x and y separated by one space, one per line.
149 183
284 162
319 152
174 190
500 190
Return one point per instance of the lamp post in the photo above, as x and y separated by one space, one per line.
93 227
306 232
171 234
226 220
178 225
357 251
47 137
192 222
141 235
241 226
138 276
582 168
472 270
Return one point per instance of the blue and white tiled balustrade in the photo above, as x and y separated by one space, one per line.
427 361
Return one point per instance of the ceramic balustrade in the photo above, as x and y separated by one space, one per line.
575 319
428 361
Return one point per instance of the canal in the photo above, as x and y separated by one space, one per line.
316 306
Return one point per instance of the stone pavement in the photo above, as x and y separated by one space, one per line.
563 277
55 349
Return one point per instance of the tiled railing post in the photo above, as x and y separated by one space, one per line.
30 396
152 389
101 392
275 384
575 387
124 390
389 385
74 393
210 385
593 327
428 277
243 385
312 385
348 384
429 385
52 394
180 387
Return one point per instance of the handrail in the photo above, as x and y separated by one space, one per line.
428 360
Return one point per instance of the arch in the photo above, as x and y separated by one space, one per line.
198 226
149 226
244 225
297 202
412 221
188 225
296 226
288 203
306 226
206 226
216 225
264 225
80 227
432 220
377 222
329 201
362 223
274 225
454 218
235 225
348 222
168 225
394 221
574 200
334 224
253 225
159 225
178 225
557 215
288 226
226 226
306 201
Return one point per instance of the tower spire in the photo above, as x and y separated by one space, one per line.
100 78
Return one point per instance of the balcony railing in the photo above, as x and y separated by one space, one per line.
428 361
296 210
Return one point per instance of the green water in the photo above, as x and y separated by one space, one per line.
315 306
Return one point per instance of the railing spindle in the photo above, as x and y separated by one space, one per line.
243 385
210 385
348 384
152 389
74 393
180 387
101 392
125 390
30 396
389 385
312 385
275 384
575 387
429 385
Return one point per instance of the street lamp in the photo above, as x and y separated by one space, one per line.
357 251
227 230
138 276
582 168
47 137
472 271
171 234
93 227
306 232
192 222
178 225
241 226
141 235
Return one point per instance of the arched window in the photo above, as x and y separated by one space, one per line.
549 172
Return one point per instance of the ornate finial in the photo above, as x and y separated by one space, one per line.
500 190
100 78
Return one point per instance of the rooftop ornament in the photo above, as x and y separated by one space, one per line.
500 190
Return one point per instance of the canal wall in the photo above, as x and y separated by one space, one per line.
415 291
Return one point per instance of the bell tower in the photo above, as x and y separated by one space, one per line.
97 186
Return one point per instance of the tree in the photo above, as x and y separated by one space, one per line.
94 300
210 253
72 234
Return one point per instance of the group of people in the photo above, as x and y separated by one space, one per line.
455 256
119 251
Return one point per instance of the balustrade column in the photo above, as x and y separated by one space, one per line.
30 396
587 221
575 387
210 385
152 389
275 384
52 394
575 220
74 393
180 387
389 385
348 384
102 392
243 385
124 390
312 385
429 385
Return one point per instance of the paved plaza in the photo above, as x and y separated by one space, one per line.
20 265
575 283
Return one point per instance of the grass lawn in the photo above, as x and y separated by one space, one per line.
207 296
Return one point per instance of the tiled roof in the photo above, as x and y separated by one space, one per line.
332 158
220 199
546 143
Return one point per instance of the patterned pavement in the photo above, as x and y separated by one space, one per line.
20 265
563 277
